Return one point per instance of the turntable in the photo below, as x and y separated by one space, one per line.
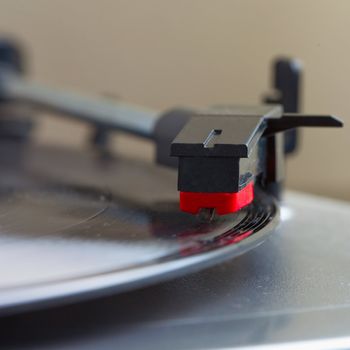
103 251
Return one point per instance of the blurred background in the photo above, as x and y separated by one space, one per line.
162 53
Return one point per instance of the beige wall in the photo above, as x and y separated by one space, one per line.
163 53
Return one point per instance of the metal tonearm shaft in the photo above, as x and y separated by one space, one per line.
99 111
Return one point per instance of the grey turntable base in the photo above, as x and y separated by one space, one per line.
291 292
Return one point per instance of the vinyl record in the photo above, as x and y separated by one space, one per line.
76 224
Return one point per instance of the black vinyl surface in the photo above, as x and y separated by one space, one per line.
76 225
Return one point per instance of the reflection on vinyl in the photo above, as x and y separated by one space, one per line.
63 238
